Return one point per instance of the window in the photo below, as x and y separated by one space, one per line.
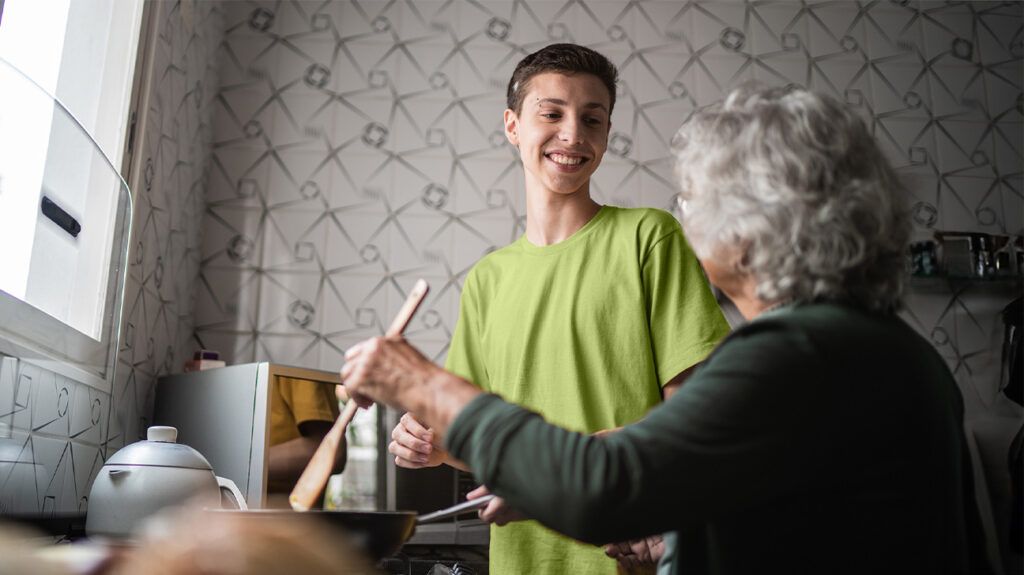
66 67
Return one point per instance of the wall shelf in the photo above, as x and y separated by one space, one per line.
943 283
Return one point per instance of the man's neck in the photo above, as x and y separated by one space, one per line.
552 218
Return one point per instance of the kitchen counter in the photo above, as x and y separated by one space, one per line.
62 525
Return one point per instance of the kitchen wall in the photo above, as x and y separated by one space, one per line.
358 146
323 155
55 432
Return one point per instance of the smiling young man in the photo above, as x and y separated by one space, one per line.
591 317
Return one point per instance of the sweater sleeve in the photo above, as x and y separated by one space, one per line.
735 433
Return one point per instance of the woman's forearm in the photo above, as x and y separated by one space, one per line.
438 400
579 485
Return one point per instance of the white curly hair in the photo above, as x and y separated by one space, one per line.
797 183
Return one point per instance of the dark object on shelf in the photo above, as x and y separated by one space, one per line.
204 359
206 354
984 266
63 219
1013 351
973 255
923 259
957 254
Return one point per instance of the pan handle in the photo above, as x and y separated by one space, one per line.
464 507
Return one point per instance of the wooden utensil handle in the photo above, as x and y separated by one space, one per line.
315 475
405 313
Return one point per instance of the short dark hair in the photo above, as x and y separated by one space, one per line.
565 59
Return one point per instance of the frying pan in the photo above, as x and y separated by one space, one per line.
378 533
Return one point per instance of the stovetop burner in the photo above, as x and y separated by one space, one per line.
437 560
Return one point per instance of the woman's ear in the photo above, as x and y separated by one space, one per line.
512 127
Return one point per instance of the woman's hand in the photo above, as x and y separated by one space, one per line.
385 370
389 370
639 553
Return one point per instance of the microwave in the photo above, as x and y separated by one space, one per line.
224 413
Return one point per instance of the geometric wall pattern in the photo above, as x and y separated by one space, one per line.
358 146
308 160
170 197
55 433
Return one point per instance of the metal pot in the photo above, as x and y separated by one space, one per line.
144 477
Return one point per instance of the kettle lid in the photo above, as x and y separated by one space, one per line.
160 449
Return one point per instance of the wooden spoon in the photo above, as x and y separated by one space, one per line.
318 470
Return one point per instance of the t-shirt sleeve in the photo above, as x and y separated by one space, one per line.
309 400
685 320
465 353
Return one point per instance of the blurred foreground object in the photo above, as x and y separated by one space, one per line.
195 543
20 553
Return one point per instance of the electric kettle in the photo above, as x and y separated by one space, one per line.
147 476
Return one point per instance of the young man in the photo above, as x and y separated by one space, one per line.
591 317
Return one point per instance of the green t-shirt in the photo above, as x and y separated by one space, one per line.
584 332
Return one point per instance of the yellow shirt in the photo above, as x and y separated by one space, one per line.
293 401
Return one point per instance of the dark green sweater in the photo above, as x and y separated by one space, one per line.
816 439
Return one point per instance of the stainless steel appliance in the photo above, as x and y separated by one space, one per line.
224 413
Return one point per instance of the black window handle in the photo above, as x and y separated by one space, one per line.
60 217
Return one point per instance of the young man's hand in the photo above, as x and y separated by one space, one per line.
639 553
412 445
497 511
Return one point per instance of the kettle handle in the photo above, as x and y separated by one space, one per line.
228 486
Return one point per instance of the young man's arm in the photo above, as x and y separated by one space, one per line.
286 461
676 382
412 443
313 408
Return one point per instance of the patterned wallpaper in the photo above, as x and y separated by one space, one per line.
156 334
54 432
310 159
358 145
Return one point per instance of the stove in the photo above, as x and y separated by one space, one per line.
437 560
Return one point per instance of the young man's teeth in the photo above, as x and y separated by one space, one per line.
565 160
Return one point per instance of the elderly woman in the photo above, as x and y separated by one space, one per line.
822 437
